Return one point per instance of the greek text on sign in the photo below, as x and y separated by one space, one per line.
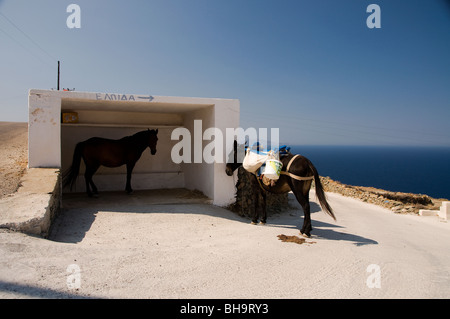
122 97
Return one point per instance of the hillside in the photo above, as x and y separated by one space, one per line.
398 202
13 155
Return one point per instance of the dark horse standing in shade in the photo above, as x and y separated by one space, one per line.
98 151
297 178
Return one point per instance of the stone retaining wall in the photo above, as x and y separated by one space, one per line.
36 203
244 204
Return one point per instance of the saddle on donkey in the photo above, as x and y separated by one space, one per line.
266 165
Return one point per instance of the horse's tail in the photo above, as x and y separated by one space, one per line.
320 193
70 175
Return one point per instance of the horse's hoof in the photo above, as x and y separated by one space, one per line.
262 223
253 223
305 235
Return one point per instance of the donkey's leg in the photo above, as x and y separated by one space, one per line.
263 211
256 201
302 195
259 196
260 207
128 188
307 227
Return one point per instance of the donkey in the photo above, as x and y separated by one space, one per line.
297 175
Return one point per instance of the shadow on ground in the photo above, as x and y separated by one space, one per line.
17 290
321 230
79 212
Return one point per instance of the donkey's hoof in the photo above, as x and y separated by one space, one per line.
253 223
262 223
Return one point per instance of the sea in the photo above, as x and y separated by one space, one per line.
419 170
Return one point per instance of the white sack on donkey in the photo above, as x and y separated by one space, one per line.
254 159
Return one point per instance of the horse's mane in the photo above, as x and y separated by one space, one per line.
139 135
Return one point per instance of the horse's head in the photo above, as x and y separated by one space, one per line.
235 158
152 140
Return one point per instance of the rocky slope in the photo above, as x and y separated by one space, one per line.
398 202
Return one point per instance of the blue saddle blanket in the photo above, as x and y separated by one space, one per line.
281 151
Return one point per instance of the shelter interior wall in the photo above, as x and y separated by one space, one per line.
199 176
99 124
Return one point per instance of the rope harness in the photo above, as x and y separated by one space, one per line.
299 178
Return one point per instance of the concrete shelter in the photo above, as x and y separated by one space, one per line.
112 115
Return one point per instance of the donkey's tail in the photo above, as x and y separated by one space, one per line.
70 175
320 193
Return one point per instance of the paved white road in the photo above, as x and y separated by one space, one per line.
131 247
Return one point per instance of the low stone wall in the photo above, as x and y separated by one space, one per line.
398 202
36 203
244 204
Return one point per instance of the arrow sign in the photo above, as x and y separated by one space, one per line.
149 98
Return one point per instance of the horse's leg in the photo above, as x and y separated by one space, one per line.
94 188
301 193
88 188
130 167
90 171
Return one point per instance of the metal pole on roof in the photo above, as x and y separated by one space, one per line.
58 75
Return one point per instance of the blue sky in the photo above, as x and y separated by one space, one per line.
311 68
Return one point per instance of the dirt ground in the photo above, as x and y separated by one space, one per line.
13 155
